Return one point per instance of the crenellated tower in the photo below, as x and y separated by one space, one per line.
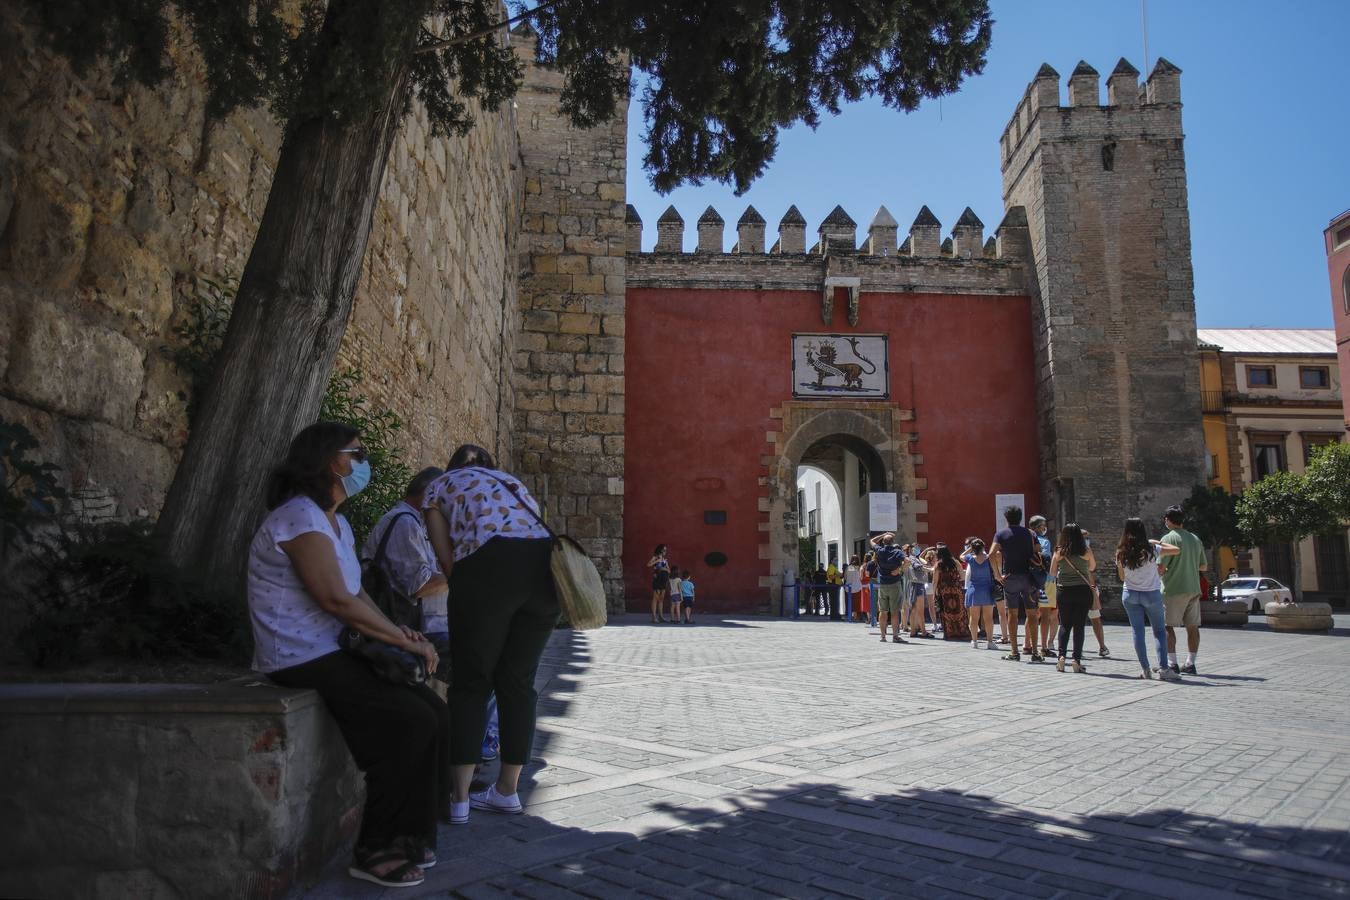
1103 187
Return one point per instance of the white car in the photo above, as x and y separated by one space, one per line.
1257 592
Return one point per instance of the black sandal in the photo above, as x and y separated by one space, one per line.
417 850
364 863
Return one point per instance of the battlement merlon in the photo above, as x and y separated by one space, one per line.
838 236
1131 110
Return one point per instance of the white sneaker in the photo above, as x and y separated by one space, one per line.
991 645
491 800
1166 674
974 645
459 813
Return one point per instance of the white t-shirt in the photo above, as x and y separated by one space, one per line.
289 628
1146 577
477 508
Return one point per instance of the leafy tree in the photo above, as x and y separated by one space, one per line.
1282 508
1212 516
722 78
1328 478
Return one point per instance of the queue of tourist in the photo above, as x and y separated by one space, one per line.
983 593
472 533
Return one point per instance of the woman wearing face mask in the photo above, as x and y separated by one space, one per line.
304 586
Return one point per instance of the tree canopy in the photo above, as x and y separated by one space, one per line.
721 77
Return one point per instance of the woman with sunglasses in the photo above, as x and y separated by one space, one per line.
304 587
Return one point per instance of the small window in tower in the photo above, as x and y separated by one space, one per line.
1314 378
1343 236
1261 376
1109 156
1345 291
714 517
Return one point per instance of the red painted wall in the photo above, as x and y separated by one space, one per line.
704 367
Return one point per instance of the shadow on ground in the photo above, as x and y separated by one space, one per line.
823 841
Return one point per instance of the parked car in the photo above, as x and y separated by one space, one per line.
1257 592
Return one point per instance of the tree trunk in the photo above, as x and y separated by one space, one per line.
290 313
1297 579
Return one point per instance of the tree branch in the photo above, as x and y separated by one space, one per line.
484 32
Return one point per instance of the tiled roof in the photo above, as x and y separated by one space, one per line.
1294 341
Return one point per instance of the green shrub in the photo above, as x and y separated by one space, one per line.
107 590
202 333
28 488
380 430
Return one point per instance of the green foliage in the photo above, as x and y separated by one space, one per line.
1328 479
106 590
1280 508
202 334
722 77
1212 516
29 488
380 430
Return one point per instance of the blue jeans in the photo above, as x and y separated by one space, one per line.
1141 604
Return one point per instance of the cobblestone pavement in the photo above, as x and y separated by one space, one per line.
760 757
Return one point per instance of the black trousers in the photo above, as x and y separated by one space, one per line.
398 735
502 610
1074 602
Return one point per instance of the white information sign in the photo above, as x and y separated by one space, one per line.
1002 502
883 512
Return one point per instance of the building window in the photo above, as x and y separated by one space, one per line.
1267 455
1314 377
864 479
813 523
1212 466
1312 441
1261 376
1345 291
1277 561
1343 236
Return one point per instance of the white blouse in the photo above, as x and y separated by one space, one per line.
477 508
289 628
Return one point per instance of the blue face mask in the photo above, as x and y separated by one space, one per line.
356 482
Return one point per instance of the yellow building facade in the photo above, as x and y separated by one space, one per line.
1270 397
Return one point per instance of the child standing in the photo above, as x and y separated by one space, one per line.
674 593
687 596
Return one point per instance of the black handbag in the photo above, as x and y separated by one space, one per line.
388 662
398 606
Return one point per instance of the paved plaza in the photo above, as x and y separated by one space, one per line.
759 757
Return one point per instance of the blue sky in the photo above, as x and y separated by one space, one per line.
1266 94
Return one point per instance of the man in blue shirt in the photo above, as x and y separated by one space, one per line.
1014 549
890 567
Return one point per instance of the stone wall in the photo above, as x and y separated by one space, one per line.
157 791
114 198
1104 189
570 357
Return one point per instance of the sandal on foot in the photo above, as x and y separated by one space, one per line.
418 853
1013 656
1104 653
406 875
1079 667
1059 666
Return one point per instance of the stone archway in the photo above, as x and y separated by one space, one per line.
879 434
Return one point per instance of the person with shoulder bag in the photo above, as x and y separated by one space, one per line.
489 537
1073 567
304 593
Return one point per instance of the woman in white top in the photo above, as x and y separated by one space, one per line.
304 586
1138 563
493 546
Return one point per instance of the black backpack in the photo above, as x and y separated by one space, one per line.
399 607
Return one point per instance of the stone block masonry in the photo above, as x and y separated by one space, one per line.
113 198
1104 189
570 368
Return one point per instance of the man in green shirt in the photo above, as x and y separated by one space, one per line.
1181 587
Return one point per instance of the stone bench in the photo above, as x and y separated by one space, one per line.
1221 613
1300 617
237 789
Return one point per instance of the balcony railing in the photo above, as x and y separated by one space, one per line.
1213 401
